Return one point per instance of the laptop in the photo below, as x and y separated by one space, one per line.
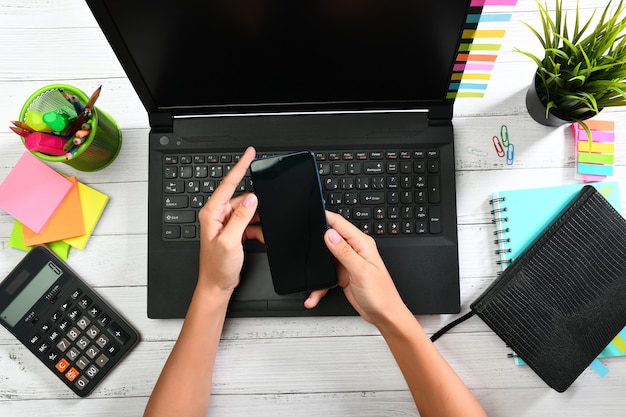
362 84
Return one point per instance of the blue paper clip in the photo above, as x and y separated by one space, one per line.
498 146
504 134
510 154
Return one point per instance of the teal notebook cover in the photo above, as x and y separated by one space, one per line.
521 216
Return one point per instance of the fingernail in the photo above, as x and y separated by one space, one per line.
333 236
249 201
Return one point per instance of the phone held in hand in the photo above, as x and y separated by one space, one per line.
293 219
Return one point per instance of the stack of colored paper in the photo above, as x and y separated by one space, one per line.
595 157
48 207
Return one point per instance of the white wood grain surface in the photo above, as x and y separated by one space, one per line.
329 366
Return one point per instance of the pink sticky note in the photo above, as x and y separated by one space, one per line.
32 192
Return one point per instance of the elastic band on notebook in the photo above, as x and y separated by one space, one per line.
450 325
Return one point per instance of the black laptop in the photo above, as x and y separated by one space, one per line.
362 84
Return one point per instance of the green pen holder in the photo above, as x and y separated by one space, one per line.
100 147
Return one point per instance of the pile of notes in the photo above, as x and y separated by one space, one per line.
594 158
49 208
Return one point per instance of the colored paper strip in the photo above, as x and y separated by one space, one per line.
483 33
478 3
596 136
596 158
593 169
473 67
476 57
468 86
464 47
599 367
464 94
620 343
600 147
470 76
600 125
490 17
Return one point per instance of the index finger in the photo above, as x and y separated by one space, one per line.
231 181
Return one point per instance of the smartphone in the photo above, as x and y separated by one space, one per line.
293 219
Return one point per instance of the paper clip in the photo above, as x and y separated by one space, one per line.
510 154
504 134
498 146
474 151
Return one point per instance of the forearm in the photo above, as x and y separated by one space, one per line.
436 388
184 386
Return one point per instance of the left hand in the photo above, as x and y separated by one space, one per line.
225 222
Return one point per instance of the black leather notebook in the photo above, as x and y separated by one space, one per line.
564 299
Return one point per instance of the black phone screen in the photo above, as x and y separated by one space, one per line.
293 219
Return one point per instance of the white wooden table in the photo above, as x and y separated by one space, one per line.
280 366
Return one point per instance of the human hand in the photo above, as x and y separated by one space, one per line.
225 222
361 271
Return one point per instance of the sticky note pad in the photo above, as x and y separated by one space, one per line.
92 203
16 240
66 222
32 192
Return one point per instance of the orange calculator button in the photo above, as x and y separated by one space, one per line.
62 365
71 374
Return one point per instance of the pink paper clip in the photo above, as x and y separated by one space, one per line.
498 146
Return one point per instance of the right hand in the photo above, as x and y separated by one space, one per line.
361 271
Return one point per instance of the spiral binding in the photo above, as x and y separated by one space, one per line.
502 240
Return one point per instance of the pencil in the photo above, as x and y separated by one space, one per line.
94 97
20 131
22 125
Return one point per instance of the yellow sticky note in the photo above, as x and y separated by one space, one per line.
93 203
16 240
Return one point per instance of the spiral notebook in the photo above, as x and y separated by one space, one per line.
521 216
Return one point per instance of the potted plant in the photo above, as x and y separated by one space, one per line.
579 74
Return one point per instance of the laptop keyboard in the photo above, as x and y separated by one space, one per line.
386 193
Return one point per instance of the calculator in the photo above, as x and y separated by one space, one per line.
60 319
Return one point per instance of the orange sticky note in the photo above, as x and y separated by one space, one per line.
93 203
66 222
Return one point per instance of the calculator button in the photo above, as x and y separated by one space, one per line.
84 302
93 331
81 382
92 352
66 305
102 360
82 362
55 316
112 349
120 335
73 353
74 314
45 327
72 374
35 339
62 365
64 324
82 343
63 344
92 371
73 334
102 341
43 348
94 310
104 320
54 335
83 322
77 292
53 356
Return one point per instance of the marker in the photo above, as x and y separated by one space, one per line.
34 119
58 120
45 143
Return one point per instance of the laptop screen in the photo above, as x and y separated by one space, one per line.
233 55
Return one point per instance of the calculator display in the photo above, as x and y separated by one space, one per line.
35 289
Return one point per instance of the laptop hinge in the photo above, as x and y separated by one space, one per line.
161 120
440 114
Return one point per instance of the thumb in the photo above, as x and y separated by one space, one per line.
342 251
